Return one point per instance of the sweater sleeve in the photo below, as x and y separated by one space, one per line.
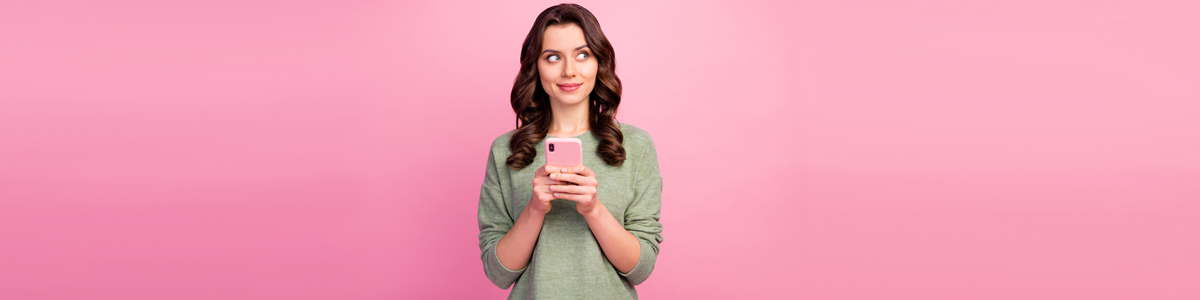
641 218
494 223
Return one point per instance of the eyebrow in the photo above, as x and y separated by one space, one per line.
556 51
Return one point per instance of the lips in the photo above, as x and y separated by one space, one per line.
568 87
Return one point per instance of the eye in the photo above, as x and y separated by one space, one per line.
552 58
582 56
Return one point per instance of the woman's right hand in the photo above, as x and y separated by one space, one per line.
540 201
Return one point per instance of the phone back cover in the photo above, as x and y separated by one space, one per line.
568 152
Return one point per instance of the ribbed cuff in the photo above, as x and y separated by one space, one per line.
645 265
501 276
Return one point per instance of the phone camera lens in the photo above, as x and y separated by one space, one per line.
551 147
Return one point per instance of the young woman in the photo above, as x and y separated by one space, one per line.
579 232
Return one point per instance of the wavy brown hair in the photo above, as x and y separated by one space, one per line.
532 105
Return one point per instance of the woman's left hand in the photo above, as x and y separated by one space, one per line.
578 184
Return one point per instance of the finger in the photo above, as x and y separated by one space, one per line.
572 197
585 171
547 170
580 169
565 177
543 192
573 178
573 189
545 181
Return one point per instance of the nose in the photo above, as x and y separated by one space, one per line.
569 68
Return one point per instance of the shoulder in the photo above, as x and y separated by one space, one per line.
635 139
639 150
637 143
500 143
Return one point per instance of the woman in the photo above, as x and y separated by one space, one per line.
579 232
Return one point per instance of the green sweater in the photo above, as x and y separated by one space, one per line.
567 262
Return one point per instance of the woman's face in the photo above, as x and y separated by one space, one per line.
566 66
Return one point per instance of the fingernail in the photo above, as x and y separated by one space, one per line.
552 187
555 194
564 170
552 176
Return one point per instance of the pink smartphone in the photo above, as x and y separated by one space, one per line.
564 152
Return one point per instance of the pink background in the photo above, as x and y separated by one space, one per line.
816 150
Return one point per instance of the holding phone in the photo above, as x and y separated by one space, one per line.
564 152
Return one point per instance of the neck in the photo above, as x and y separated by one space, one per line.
569 120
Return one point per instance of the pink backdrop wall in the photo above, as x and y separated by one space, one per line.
815 150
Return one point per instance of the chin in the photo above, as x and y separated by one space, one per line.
571 100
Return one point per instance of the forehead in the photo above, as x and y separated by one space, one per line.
563 37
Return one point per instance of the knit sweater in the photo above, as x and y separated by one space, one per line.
567 261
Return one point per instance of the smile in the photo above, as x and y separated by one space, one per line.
568 87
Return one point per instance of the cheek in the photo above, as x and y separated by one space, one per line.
545 80
590 69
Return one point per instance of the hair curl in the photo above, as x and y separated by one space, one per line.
532 105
